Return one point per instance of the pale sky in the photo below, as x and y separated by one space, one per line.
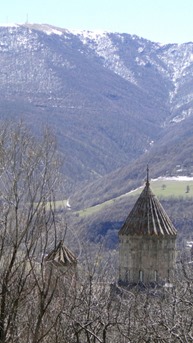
164 21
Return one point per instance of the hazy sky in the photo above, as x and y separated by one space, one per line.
165 21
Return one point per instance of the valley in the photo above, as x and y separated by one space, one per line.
114 102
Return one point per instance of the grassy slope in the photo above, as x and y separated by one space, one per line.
172 188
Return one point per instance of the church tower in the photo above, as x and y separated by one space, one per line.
61 267
147 242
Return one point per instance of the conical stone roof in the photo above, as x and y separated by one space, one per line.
148 218
61 255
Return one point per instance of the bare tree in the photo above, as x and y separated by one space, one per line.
37 304
28 180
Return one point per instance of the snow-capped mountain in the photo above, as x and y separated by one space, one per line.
108 96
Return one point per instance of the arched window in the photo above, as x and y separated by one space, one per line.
127 275
141 276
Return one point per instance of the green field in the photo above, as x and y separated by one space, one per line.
161 188
58 204
173 188
168 188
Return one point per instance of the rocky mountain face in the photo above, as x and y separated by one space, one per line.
109 97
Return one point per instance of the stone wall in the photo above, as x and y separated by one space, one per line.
146 258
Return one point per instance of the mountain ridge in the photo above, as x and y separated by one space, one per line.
95 90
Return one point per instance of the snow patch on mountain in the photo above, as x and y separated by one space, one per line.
86 35
101 43
174 178
182 116
178 59
49 30
53 32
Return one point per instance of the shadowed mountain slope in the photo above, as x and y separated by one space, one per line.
109 97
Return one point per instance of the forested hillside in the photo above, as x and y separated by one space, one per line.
82 114
109 97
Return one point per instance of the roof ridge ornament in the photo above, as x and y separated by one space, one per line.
147 180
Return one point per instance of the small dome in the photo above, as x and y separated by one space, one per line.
61 255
